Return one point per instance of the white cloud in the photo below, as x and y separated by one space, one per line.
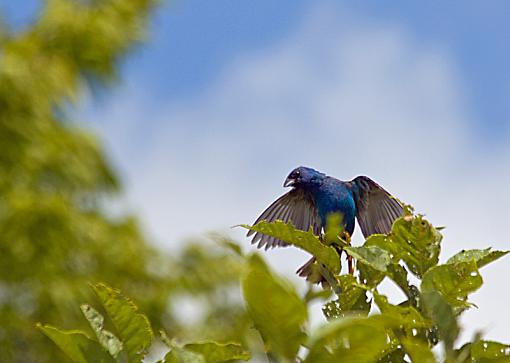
344 95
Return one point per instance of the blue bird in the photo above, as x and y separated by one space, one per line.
315 195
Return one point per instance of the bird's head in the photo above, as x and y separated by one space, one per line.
303 176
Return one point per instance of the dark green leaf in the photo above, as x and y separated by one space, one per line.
368 275
276 309
133 328
304 240
441 313
398 274
215 352
393 356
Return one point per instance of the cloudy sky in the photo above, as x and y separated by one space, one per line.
228 96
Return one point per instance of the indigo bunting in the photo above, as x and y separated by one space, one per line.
315 195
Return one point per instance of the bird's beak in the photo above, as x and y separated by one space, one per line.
289 182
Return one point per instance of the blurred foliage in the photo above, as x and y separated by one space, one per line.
362 326
135 333
57 236
55 233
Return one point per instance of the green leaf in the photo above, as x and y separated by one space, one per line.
372 256
419 243
386 243
107 340
488 351
414 240
333 231
481 257
453 281
418 350
398 274
350 339
307 241
406 316
76 345
352 298
215 352
442 314
227 243
276 309
369 276
181 355
393 355
133 328
316 294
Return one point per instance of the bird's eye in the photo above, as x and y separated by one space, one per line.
297 172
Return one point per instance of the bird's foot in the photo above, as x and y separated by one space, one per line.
347 237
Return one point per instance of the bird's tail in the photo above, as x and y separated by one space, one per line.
311 272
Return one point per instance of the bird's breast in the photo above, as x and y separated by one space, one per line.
336 200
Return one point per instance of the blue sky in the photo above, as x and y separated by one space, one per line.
193 40
228 96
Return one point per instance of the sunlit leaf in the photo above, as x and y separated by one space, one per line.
107 339
77 346
372 263
413 240
406 316
454 281
276 309
214 352
361 340
304 240
418 350
484 351
481 257
181 355
132 327
419 242
352 298
372 256
386 243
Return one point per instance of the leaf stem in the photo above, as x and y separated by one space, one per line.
331 279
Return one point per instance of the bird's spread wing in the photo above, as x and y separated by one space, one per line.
376 209
296 207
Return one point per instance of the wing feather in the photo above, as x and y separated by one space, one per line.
376 209
294 207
